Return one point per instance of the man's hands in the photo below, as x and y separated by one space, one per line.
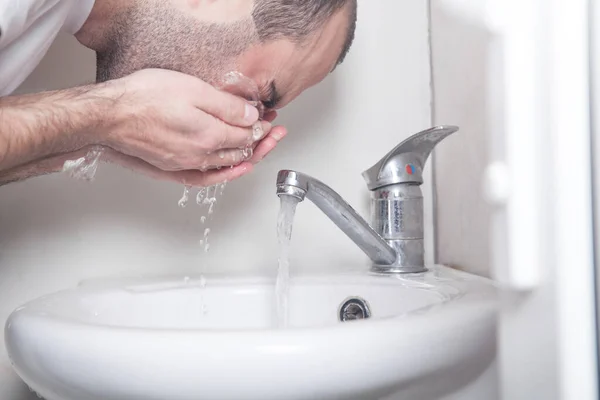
196 177
162 123
178 122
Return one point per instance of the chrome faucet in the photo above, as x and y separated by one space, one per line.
395 241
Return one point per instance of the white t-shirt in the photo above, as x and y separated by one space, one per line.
28 28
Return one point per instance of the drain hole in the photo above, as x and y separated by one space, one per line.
354 308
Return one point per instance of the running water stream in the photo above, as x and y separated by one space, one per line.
284 232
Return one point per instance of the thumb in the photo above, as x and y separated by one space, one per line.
229 108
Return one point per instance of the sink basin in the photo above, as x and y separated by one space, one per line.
215 337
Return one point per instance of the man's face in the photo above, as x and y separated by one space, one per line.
283 70
210 38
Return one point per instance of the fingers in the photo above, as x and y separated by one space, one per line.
187 177
229 157
236 137
214 176
231 109
226 157
269 143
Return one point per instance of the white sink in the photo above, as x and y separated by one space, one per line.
215 338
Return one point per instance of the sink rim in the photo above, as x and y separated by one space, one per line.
476 288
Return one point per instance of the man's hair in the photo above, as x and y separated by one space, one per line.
296 20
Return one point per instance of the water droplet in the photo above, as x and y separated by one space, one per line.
221 154
257 131
202 281
84 168
247 153
203 219
200 196
222 187
184 199
205 241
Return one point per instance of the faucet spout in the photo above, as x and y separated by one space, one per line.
301 186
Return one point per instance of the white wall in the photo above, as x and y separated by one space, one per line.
537 118
56 231
459 56
595 127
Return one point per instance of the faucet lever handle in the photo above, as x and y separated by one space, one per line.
405 163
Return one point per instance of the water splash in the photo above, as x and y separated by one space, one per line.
201 195
211 198
206 198
202 286
84 168
205 240
247 153
184 199
236 83
222 187
257 131
284 233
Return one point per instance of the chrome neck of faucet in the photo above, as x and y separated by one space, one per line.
301 186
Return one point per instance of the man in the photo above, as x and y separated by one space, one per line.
155 107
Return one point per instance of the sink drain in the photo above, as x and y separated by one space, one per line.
354 308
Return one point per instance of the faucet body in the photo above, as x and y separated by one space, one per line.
394 241
397 215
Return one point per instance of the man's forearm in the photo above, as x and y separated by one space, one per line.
42 166
32 169
34 127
